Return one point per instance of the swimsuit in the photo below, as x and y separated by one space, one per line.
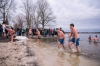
77 41
39 37
30 34
61 41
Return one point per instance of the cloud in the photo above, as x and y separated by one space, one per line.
84 14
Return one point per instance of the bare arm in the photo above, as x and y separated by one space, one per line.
97 39
63 36
75 34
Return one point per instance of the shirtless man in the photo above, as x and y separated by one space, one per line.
61 38
30 33
11 32
75 39
38 34
95 38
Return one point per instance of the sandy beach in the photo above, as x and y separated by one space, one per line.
30 53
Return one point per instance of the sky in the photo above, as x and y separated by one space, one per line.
85 14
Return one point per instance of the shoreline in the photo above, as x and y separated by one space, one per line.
85 32
44 54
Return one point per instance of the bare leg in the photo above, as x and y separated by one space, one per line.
63 46
58 45
39 41
4 34
70 45
74 44
12 37
78 48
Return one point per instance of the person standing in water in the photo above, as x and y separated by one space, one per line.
30 33
95 39
75 39
90 38
38 34
61 38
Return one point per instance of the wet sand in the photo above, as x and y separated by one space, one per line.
30 53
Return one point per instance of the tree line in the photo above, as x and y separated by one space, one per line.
38 14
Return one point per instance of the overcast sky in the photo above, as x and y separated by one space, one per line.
85 14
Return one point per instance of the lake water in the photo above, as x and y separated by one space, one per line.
48 55
88 48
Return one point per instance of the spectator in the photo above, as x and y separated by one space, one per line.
1 30
62 30
4 27
23 31
27 30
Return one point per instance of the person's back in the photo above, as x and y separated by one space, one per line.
95 38
30 32
38 32
11 32
8 28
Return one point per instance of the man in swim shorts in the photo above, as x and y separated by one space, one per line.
30 33
61 38
38 34
75 39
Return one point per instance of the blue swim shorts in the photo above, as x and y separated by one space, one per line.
77 41
61 41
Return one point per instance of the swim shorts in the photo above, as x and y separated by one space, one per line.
61 41
77 41
39 37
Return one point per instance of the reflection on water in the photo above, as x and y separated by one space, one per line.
47 51
49 39
73 60
87 47
61 54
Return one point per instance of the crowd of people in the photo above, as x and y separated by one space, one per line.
73 37
44 32
6 30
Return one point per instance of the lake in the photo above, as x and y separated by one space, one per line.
88 48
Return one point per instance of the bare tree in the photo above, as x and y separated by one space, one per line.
38 14
27 9
6 9
36 18
20 21
45 13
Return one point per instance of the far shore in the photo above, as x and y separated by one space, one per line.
85 32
